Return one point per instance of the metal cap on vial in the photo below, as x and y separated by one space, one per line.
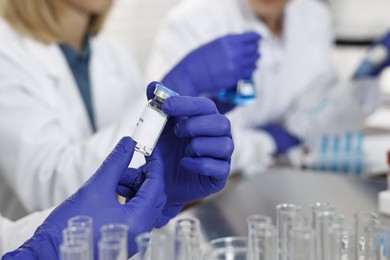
163 92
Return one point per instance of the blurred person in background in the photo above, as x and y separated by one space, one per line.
293 75
68 94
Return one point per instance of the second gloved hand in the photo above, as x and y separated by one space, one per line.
197 147
215 65
97 199
379 57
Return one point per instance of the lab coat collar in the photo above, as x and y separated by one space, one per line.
46 57
54 64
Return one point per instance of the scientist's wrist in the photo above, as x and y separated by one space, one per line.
44 244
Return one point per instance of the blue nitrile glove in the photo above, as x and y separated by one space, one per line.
215 65
97 199
282 138
372 69
196 145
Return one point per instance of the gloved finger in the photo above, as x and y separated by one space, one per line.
207 125
153 187
114 165
251 49
130 183
215 147
247 71
188 106
150 89
248 37
168 213
249 61
219 169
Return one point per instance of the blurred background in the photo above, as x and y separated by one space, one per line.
356 22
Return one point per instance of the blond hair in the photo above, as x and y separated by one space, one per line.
37 19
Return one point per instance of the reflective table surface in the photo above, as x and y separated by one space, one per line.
225 214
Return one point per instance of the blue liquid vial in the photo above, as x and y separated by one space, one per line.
243 94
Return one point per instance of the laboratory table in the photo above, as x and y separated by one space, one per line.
225 214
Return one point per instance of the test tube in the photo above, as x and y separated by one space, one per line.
187 239
265 243
112 248
317 208
288 216
254 223
87 223
365 222
380 249
73 239
74 250
342 242
114 241
322 217
152 246
302 243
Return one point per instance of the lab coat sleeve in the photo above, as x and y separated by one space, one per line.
253 149
41 163
14 234
321 77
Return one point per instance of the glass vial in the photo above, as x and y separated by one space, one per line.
256 224
152 246
187 239
84 222
288 217
152 121
244 93
113 243
302 244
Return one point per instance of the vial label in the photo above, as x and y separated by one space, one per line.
148 129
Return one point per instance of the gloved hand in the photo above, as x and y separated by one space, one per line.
196 145
215 65
384 41
97 199
282 138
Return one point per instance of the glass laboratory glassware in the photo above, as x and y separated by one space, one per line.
116 236
75 236
379 248
302 243
288 216
265 243
244 93
187 239
365 222
318 208
152 121
254 223
324 221
152 246
74 250
86 222
342 242
112 248
226 248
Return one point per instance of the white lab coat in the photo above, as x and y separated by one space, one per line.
47 148
14 234
293 72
